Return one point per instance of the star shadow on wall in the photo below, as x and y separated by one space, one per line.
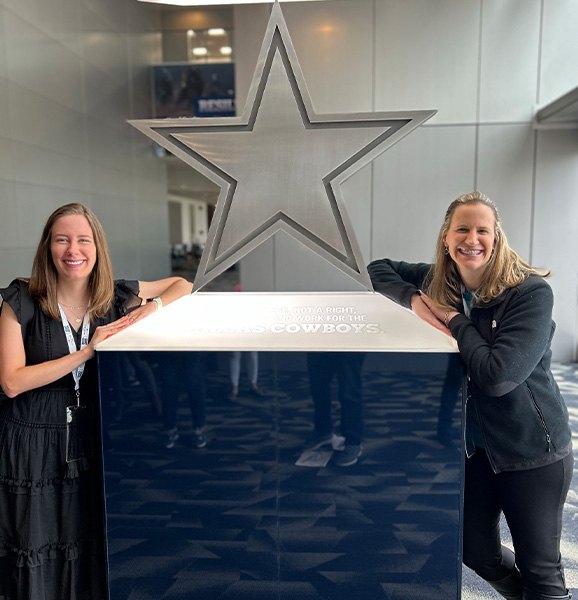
280 165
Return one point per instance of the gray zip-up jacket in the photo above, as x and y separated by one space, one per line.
505 345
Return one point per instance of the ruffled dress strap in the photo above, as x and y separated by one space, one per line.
16 295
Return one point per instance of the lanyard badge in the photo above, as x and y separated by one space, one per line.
77 422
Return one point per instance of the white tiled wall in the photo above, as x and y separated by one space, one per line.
509 60
426 57
556 228
559 50
71 73
484 65
336 41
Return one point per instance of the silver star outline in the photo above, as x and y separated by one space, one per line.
280 165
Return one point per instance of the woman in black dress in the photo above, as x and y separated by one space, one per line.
51 504
518 442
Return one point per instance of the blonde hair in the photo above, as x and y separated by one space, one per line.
44 277
504 270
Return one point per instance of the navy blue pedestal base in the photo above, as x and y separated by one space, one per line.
238 519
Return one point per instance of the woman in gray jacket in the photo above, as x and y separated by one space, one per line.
518 441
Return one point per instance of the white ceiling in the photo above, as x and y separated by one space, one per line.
217 2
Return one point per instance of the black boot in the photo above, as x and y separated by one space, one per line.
537 596
510 587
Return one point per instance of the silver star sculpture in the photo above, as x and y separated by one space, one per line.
280 165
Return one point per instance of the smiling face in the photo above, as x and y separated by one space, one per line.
72 247
470 241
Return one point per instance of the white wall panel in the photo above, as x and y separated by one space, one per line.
4 106
258 269
509 59
105 97
426 57
108 208
505 174
44 167
153 218
41 122
357 194
9 219
559 49
6 159
298 269
152 262
16 262
106 51
109 181
40 63
125 259
56 18
556 231
109 144
108 15
415 181
334 45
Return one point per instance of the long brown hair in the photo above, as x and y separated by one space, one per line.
44 277
504 270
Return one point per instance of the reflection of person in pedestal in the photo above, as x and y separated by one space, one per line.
129 374
518 440
322 368
183 373
449 397
252 365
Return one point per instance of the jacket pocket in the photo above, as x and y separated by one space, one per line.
540 416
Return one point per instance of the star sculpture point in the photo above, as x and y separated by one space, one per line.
280 165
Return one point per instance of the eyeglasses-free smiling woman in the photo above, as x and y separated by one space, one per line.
518 442
51 496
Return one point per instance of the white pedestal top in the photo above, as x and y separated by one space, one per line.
363 321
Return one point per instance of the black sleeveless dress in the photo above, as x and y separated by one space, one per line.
51 510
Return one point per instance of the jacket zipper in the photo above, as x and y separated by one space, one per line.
467 386
546 432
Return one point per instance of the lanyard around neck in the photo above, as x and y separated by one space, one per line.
76 373
467 299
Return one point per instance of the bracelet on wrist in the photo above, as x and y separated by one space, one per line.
446 318
157 300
